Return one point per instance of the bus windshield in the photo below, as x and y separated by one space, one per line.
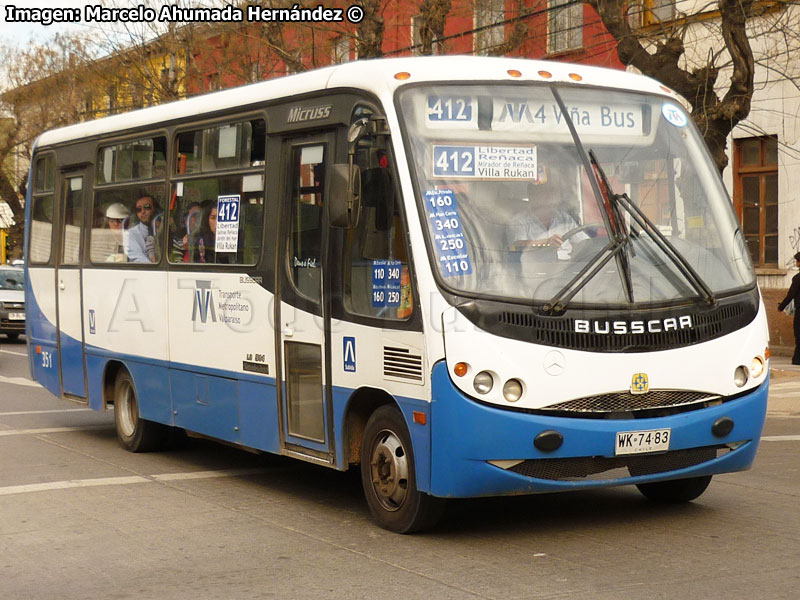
516 210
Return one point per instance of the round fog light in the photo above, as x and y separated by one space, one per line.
483 382
757 366
740 376
512 390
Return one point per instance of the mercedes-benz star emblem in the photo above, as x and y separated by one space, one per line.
554 363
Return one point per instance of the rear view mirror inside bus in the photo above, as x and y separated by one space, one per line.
344 205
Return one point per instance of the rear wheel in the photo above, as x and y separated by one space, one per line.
134 433
389 478
676 490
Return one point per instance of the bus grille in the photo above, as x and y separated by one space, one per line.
599 468
627 402
399 363
530 325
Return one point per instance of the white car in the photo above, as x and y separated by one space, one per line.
12 301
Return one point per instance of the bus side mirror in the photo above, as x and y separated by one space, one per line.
344 202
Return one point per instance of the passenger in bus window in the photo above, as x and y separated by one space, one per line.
139 239
116 214
204 244
543 220
186 231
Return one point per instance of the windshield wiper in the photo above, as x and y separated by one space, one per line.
660 240
615 226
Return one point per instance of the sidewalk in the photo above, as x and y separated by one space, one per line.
784 394
781 369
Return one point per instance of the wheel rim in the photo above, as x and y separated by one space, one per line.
389 470
128 412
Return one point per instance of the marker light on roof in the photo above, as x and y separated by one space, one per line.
545 74
402 75
575 77
514 73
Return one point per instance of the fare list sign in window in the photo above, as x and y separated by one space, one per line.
448 234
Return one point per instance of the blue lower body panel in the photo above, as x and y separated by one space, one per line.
467 434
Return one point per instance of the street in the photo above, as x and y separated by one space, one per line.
82 518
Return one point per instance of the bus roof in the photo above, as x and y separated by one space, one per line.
376 76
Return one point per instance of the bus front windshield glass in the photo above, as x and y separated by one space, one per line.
515 210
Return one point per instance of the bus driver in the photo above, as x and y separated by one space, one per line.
542 221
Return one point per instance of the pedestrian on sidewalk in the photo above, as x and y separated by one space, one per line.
794 294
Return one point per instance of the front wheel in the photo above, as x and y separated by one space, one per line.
389 478
676 490
134 433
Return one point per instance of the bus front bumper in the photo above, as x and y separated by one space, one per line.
481 450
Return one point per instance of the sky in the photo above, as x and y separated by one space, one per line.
21 34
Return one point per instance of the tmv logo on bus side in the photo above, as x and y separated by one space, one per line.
203 302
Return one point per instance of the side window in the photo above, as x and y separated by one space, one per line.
128 213
229 146
42 210
218 218
377 279
138 159
305 241
128 225
73 220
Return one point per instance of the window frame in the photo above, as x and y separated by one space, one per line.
762 170
174 178
353 316
558 10
38 195
489 17
124 185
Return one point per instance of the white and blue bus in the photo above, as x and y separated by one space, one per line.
469 276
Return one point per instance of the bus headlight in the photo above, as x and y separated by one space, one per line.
757 366
740 376
483 382
512 390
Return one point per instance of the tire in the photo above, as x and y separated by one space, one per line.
12 336
134 433
676 490
389 478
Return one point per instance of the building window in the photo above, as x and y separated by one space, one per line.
416 37
650 12
487 39
756 196
564 25
340 50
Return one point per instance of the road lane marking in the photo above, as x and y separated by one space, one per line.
14 353
6 432
18 381
108 481
781 438
69 484
785 384
206 474
44 412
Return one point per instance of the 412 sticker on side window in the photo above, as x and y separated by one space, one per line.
448 234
